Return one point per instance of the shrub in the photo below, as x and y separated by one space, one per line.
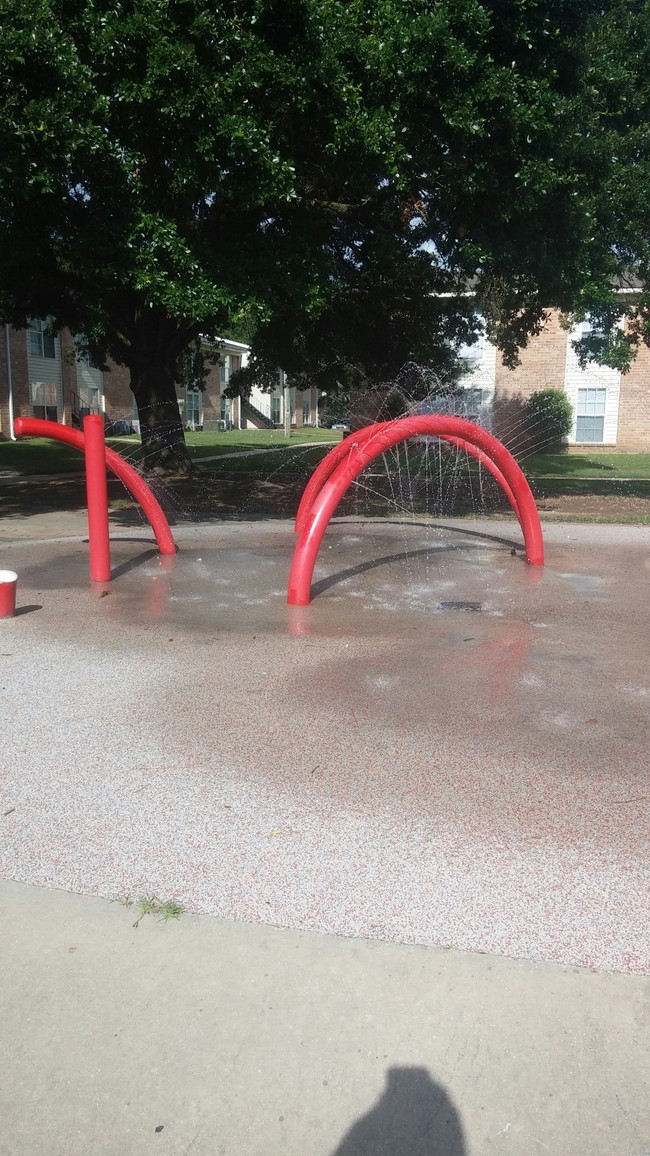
549 417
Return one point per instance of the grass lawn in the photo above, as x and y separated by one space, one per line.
603 466
591 487
208 445
236 476
298 461
42 456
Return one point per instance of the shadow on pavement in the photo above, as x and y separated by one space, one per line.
133 563
362 568
413 1117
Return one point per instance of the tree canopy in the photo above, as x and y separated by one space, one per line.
331 173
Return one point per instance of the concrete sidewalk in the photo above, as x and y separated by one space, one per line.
221 1039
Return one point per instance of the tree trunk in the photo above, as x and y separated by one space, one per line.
161 427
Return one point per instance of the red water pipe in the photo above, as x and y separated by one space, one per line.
385 435
97 499
37 428
345 447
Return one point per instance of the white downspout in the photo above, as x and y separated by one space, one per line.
10 387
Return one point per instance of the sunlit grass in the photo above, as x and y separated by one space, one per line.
592 465
29 456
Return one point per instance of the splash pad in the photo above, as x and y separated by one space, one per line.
328 484
346 461
443 750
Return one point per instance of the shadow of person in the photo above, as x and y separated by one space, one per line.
413 1117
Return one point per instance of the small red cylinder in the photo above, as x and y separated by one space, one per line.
8 582
97 497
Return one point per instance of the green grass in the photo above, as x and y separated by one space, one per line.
29 456
590 487
39 456
551 475
602 466
151 905
281 461
236 439
597 519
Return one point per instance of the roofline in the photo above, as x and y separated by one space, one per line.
225 341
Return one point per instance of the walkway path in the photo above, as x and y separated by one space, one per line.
202 1037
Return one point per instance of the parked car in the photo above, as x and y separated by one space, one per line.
344 425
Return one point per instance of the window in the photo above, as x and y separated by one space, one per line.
471 401
306 412
89 400
41 343
590 415
466 403
44 400
230 363
225 412
275 410
83 359
472 353
192 409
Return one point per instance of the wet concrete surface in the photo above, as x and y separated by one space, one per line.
446 747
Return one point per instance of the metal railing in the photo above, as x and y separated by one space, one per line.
80 408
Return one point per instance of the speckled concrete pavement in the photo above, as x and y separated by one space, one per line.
447 747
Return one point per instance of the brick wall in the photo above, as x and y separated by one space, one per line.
302 398
212 398
118 399
634 407
543 364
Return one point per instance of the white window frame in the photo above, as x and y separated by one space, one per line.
35 387
38 335
191 398
593 404
591 377
472 354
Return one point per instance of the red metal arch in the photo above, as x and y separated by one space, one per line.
345 447
369 445
37 428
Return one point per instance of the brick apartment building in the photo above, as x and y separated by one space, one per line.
611 411
41 376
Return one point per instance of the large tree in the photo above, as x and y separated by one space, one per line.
334 172
617 77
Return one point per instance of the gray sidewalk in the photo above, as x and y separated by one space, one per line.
220 1039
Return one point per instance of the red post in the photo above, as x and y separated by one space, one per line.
36 427
97 497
